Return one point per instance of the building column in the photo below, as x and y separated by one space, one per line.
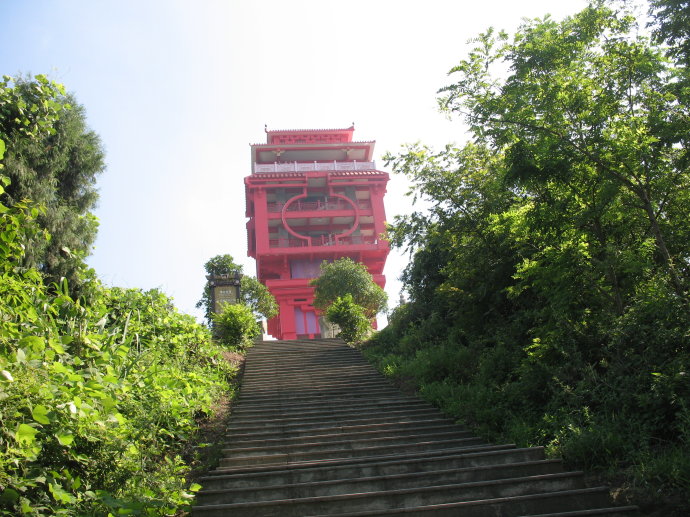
260 220
378 210
287 320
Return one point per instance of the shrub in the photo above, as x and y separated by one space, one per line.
345 276
236 326
351 318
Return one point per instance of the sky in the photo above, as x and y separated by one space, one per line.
178 89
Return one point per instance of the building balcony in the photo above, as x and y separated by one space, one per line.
324 240
307 206
263 168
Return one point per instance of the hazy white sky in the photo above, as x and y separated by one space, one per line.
178 89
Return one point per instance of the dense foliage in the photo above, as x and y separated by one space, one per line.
236 326
80 378
345 276
54 167
98 392
29 112
350 318
257 297
549 282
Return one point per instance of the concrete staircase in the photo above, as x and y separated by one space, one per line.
317 431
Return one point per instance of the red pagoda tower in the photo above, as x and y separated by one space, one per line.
313 195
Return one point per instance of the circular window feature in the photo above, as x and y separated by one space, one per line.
320 219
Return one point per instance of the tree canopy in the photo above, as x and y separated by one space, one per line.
671 24
345 276
52 159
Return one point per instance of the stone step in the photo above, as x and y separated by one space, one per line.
316 431
280 361
484 456
276 411
278 458
214 494
347 417
345 443
307 386
401 498
338 462
360 383
572 503
285 369
296 405
323 437
357 378
306 395
307 427
293 362
622 511
295 392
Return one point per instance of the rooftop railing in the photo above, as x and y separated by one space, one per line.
263 168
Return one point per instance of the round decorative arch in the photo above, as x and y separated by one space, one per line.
307 238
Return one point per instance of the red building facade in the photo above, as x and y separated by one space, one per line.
313 195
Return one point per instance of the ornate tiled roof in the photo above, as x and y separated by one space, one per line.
354 142
351 128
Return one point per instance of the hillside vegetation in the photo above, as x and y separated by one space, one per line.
100 392
548 284
98 395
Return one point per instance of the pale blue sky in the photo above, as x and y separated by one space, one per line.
178 89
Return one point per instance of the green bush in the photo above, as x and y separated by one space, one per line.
236 326
351 318
345 276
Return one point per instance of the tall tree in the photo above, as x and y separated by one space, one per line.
586 106
55 169
549 276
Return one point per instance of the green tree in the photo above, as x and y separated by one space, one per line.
549 276
345 276
671 24
218 265
252 292
586 107
28 109
351 318
257 296
55 166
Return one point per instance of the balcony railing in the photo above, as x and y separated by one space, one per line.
263 168
323 240
305 206
287 243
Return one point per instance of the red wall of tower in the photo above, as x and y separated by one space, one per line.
303 212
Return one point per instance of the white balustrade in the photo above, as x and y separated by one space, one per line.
263 168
